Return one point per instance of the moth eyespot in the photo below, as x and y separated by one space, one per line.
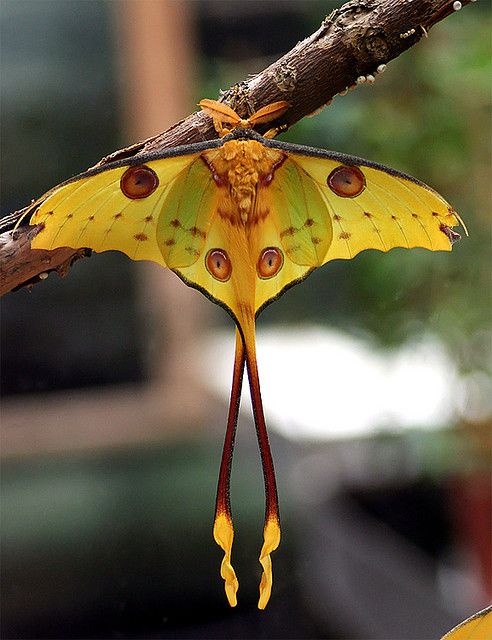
139 182
270 262
346 182
218 264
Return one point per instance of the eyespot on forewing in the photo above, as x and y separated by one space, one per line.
346 182
139 182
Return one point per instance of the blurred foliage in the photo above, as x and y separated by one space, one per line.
59 115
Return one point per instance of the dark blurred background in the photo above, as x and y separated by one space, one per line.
111 429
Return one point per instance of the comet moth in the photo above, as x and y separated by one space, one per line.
242 218
476 627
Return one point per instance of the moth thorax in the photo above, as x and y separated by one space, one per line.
243 180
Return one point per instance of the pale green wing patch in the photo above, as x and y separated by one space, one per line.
296 203
188 210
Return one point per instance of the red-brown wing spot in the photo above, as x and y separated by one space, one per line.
140 236
139 182
345 235
70 215
258 215
346 182
91 218
218 264
148 218
195 231
453 236
315 240
192 251
171 242
293 249
367 214
287 232
175 223
225 214
435 214
270 262
309 222
337 218
414 215
117 216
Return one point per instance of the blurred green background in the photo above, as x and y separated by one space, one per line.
105 538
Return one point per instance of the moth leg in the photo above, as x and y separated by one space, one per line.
221 130
272 133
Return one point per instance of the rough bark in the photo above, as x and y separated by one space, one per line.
348 49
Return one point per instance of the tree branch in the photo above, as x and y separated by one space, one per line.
351 47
